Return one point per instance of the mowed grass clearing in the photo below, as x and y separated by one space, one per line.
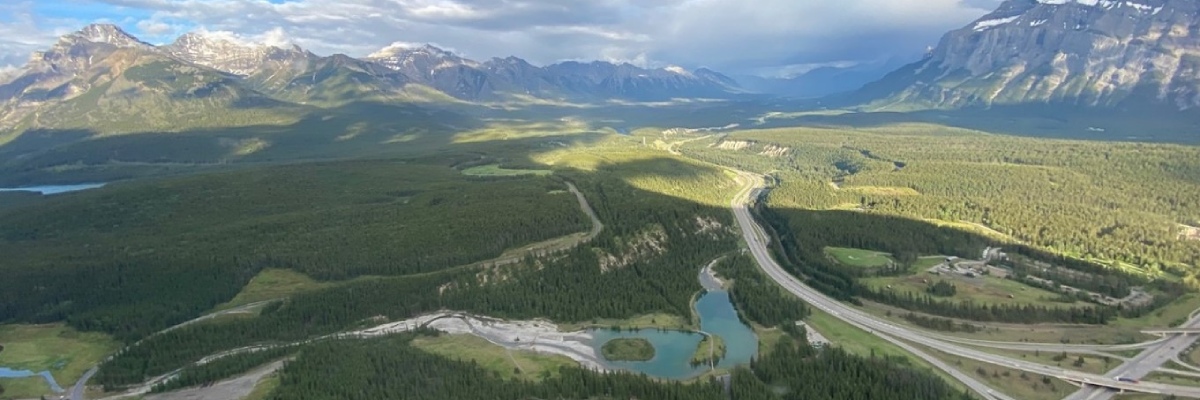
26 388
507 363
859 257
57 348
274 283
981 289
496 170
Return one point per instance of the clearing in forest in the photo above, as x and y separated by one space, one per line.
859 257
497 170
57 348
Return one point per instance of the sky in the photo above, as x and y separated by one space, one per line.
749 37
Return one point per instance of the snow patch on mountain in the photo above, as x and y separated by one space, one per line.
991 23
1107 4
107 33
395 47
675 69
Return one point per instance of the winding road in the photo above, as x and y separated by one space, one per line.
757 242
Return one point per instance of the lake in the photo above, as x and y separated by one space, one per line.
54 189
673 349
15 373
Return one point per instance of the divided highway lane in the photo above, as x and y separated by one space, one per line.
757 241
1145 362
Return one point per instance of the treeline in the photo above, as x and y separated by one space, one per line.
302 317
794 370
759 299
940 324
127 299
222 368
389 368
1106 284
1010 313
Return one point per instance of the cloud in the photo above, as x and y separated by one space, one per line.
23 31
729 35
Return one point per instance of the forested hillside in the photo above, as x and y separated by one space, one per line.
135 258
643 262
388 367
1121 204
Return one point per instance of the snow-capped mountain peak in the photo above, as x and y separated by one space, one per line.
675 69
107 34
227 52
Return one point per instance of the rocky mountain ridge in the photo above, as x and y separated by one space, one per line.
1086 53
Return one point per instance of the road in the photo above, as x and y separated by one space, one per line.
553 245
81 384
757 241
1145 362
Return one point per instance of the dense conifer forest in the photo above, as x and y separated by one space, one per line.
1123 205
643 262
136 258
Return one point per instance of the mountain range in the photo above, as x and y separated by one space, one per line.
1107 54
1093 54
101 75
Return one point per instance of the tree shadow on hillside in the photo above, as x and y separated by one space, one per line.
370 130
1050 121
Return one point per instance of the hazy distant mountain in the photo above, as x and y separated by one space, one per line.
497 78
104 79
1089 53
823 81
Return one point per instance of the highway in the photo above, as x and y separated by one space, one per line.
757 241
1145 362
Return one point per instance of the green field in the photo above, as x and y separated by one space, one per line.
1091 363
623 349
927 262
63 351
982 289
507 363
859 257
767 337
1168 316
496 170
25 388
271 284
